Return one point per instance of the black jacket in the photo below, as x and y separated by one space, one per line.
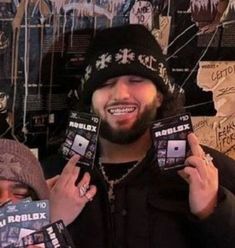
151 211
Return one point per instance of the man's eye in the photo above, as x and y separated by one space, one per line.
107 84
136 80
21 195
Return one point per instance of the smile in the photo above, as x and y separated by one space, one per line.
121 110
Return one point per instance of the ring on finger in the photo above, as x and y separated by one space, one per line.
83 189
207 159
88 196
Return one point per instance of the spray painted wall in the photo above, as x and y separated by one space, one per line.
42 47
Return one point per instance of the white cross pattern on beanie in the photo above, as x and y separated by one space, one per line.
103 61
125 56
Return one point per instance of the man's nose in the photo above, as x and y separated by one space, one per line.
121 90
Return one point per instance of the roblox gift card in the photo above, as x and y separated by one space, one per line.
170 141
81 137
54 235
22 218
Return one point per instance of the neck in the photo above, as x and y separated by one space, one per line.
121 153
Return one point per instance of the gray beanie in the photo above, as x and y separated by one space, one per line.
18 163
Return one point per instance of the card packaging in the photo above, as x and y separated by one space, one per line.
170 143
54 235
20 219
81 137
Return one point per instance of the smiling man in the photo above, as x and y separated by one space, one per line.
126 105
126 83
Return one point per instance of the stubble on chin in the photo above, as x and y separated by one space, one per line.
129 135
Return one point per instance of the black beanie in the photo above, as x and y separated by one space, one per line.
124 50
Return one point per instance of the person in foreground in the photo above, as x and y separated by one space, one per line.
21 176
126 83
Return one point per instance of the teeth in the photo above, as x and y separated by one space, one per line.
120 111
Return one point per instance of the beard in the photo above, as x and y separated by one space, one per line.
127 136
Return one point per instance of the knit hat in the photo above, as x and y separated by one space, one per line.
124 50
18 163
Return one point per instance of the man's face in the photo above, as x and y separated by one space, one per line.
3 101
12 191
126 106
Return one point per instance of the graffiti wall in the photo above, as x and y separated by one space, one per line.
42 47
216 132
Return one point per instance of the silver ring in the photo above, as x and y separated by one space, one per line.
208 159
88 196
83 189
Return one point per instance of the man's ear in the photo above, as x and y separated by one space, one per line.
159 99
